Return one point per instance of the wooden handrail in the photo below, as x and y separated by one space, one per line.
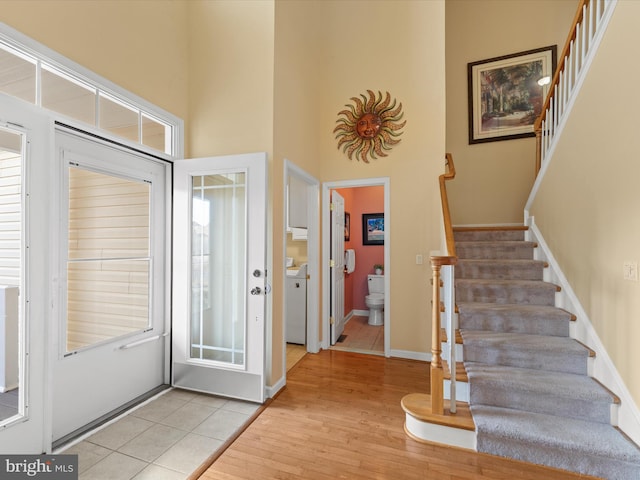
560 67
437 373
553 86
446 214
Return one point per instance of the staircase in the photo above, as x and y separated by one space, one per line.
529 391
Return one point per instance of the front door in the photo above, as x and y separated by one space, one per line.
219 282
24 290
111 318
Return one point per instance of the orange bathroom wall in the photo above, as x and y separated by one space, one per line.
357 201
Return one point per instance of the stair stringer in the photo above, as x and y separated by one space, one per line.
626 415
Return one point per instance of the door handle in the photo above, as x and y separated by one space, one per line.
256 291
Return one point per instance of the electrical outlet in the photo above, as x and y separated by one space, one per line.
630 271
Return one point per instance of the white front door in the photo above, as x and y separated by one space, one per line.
219 283
337 266
24 249
110 340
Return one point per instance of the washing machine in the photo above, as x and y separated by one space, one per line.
296 305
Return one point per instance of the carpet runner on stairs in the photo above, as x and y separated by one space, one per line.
529 391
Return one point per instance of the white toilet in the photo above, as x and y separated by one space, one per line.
375 299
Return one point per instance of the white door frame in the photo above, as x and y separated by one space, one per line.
326 243
313 259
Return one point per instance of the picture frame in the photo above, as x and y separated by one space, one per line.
373 228
347 226
506 94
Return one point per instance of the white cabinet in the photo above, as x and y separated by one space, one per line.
296 307
297 203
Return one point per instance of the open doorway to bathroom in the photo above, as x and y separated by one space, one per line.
362 292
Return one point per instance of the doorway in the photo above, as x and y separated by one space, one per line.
302 263
364 200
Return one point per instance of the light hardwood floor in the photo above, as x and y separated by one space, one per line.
359 336
340 417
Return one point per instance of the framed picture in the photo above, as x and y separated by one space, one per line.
347 226
506 94
373 228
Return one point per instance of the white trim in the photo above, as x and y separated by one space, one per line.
326 277
410 355
21 42
603 368
431 432
272 390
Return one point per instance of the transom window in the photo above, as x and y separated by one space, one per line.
31 76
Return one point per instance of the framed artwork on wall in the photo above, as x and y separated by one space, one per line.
506 94
373 228
347 226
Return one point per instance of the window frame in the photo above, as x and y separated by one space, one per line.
30 50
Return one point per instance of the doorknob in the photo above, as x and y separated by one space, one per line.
256 291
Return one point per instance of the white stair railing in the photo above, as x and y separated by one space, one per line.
585 36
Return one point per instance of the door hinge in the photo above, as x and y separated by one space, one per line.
332 320
332 263
332 206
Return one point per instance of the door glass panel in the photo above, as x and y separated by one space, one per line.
11 268
109 263
218 286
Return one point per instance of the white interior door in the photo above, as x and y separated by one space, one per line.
110 338
219 273
337 266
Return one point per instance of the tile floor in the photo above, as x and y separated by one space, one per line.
9 404
361 337
167 438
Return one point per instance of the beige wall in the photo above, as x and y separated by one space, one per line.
272 76
587 207
493 179
396 47
328 52
135 44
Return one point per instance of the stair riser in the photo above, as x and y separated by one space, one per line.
533 271
510 324
543 294
551 361
488 235
495 251
509 397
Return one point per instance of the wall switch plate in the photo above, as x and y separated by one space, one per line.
418 259
630 271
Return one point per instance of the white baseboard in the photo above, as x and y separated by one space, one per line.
272 390
602 368
426 357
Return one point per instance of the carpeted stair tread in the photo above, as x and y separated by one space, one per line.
514 269
559 354
530 292
497 250
575 445
514 318
557 393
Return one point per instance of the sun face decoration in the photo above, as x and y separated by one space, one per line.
369 127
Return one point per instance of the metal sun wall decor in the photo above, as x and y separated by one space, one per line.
370 126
